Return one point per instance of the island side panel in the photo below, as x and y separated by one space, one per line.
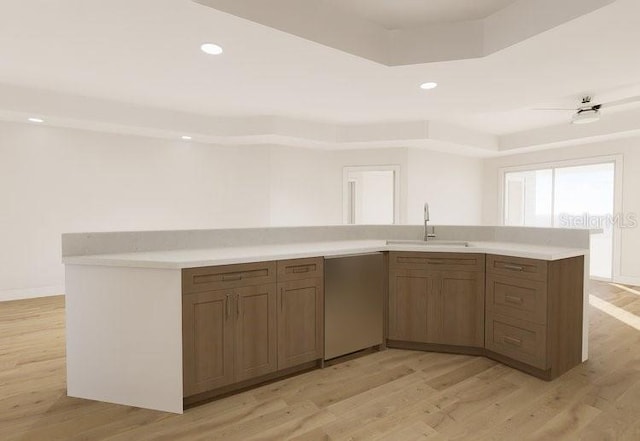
124 335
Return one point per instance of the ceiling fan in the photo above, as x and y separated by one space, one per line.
588 112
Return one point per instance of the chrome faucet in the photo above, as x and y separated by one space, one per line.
427 235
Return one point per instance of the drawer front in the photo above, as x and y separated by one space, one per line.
227 276
519 267
517 298
298 269
436 261
517 339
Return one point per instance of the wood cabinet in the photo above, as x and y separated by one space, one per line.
255 331
247 321
229 334
437 298
208 341
412 306
534 313
300 311
462 308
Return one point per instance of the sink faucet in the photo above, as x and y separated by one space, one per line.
427 235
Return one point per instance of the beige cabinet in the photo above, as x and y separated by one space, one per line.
244 323
413 306
239 324
300 311
534 313
229 334
436 298
462 308
208 341
255 331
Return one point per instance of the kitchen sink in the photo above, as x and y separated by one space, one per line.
431 243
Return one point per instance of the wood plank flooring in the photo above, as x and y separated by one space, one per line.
393 395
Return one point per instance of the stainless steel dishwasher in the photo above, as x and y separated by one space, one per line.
353 311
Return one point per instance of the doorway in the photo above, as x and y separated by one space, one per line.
371 195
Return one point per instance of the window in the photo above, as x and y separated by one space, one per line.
371 195
578 196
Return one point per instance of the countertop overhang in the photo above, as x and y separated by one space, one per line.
201 257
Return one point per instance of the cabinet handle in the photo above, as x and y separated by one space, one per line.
301 269
227 305
238 305
231 277
512 341
281 299
513 299
513 267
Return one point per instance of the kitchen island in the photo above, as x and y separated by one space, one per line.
126 297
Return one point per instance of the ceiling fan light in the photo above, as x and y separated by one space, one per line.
586 116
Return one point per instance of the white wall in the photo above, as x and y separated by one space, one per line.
306 186
452 185
55 180
629 251
62 180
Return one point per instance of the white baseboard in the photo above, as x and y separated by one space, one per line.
30 293
627 280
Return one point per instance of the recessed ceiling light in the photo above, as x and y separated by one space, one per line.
35 120
211 49
186 137
428 86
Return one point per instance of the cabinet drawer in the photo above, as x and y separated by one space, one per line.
227 276
517 339
436 261
517 267
517 298
298 269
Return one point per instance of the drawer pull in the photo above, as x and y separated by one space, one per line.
436 262
512 341
513 299
226 278
301 269
227 305
513 267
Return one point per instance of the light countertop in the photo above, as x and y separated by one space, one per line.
191 258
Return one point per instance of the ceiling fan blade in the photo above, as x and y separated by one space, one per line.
554 108
633 99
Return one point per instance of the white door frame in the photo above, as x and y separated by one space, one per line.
346 209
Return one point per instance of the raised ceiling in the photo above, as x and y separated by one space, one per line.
404 14
349 28
136 67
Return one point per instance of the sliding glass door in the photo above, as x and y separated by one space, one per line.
580 196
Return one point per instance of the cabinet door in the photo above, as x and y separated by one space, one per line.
413 306
462 306
300 321
207 341
256 345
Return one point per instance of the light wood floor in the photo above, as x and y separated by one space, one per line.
393 395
